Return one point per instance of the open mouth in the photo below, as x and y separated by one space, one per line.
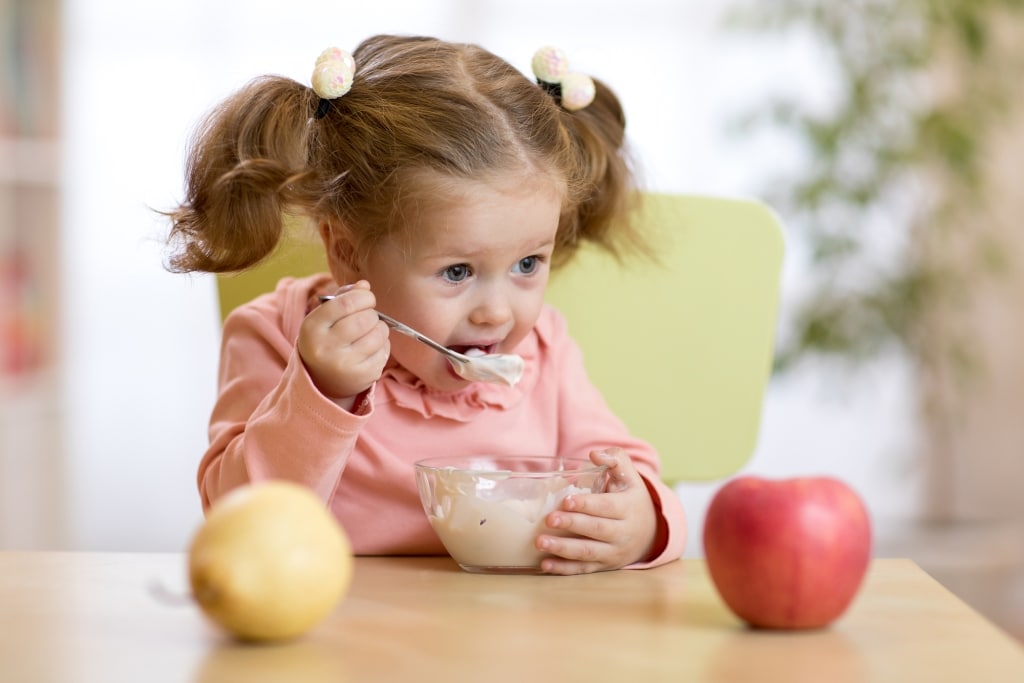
474 350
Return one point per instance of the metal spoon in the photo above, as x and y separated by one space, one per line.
501 368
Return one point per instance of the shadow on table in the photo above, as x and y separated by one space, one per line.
791 656
307 660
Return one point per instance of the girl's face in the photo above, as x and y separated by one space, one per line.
469 271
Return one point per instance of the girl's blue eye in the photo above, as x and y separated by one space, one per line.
528 264
456 273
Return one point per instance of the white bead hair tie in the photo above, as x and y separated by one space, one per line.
571 89
332 77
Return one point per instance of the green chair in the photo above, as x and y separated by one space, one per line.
297 254
681 348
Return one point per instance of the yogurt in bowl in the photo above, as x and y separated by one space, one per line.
489 509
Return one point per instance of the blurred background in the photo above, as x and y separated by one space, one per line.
887 134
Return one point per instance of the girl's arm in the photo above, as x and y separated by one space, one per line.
269 420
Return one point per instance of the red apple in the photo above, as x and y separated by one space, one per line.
787 553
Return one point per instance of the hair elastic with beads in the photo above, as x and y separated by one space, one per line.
332 77
571 89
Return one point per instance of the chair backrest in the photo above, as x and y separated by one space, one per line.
682 349
295 255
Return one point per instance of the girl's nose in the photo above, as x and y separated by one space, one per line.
492 310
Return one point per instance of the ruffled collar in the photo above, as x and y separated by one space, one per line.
399 386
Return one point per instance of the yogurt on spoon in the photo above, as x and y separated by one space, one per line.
502 368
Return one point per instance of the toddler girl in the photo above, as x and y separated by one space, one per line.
445 186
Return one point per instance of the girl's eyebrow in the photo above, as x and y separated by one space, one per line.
455 253
545 244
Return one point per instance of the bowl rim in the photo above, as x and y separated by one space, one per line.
440 463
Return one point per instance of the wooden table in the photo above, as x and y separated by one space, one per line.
81 617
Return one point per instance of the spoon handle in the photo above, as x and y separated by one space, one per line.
409 332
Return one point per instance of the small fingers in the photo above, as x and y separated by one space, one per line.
602 528
622 472
350 300
594 505
554 565
581 543
343 343
575 555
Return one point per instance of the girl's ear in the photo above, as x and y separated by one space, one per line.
340 250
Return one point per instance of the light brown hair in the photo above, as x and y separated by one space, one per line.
416 105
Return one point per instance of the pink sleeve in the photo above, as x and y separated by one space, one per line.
588 424
269 420
670 541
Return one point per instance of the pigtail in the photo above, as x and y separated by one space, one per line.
605 179
412 106
247 166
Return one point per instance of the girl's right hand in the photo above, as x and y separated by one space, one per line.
343 343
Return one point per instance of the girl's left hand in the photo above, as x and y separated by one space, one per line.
607 530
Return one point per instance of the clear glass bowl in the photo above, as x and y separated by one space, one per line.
488 510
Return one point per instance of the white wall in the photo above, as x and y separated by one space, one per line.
140 344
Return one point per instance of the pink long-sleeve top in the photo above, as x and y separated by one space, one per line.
270 421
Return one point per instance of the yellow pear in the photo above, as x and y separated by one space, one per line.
269 562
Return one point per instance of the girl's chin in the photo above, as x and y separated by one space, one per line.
454 381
